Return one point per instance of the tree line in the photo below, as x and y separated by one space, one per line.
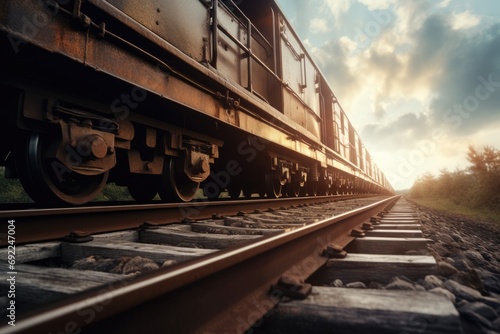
476 187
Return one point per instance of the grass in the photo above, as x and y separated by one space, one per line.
11 191
448 206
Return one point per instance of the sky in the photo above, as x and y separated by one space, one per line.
419 80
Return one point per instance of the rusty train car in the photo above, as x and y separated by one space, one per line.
167 97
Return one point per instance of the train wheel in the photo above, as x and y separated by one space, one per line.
293 189
175 185
327 190
143 189
48 181
211 192
297 186
312 188
274 184
234 191
247 192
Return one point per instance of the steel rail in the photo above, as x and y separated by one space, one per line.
225 292
35 225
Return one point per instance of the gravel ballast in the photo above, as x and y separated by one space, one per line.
468 257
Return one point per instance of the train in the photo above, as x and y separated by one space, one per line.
170 98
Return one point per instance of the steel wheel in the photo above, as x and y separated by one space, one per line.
312 188
293 189
274 184
327 190
143 189
48 181
175 185
211 192
296 185
234 191
247 192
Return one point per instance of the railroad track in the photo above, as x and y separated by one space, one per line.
223 274
39 224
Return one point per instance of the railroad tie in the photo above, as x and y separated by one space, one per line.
337 310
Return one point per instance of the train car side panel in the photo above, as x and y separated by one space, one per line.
185 24
301 98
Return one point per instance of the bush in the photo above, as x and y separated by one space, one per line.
477 187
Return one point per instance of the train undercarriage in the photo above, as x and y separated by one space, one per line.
73 153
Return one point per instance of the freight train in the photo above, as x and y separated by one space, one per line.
168 97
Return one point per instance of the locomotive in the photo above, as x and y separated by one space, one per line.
168 97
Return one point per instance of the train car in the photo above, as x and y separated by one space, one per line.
167 97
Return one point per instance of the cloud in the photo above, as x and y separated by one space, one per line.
377 4
319 25
412 15
402 132
444 3
337 9
456 74
333 59
300 16
468 90
464 20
